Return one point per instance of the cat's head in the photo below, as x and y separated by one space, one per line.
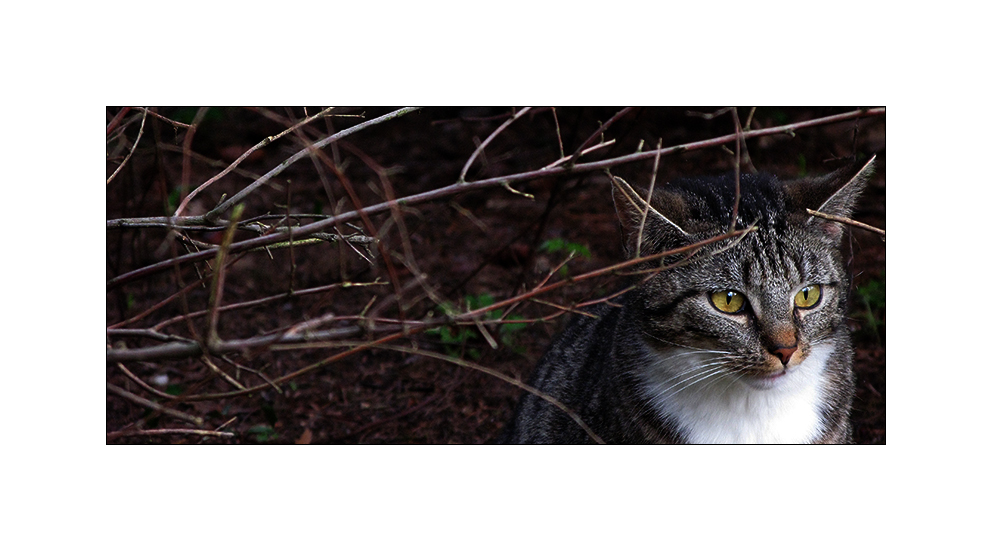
767 300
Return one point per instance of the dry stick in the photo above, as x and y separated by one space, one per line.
143 385
737 166
558 134
265 142
177 431
410 259
236 198
166 119
196 283
459 187
489 139
848 221
407 331
530 175
223 374
189 348
366 221
154 406
117 119
599 132
263 300
564 160
217 289
258 373
648 201
184 182
158 305
134 146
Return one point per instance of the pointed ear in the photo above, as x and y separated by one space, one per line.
645 228
834 194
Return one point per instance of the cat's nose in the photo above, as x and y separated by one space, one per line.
784 353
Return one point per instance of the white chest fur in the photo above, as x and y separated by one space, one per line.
710 405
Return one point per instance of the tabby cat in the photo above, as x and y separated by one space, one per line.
743 340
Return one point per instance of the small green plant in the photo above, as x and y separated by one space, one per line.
457 339
263 433
172 202
558 244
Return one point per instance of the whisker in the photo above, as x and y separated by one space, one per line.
696 374
683 346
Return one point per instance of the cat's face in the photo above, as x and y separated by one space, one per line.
758 311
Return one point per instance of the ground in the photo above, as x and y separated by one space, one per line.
471 248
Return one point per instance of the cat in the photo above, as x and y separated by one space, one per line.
742 341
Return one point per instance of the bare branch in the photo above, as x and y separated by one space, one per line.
153 405
599 132
265 142
238 197
171 431
489 139
848 221
134 146
317 226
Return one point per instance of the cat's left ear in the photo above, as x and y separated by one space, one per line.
834 194
646 229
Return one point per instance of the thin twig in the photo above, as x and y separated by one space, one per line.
143 385
737 167
599 132
153 405
164 118
848 221
278 341
170 431
184 183
558 134
112 125
238 197
648 201
564 160
460 187
134 146
217 287
489 139
265 142
222 373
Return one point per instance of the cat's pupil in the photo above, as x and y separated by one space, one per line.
808 296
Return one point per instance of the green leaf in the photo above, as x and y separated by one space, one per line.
478 301
558 244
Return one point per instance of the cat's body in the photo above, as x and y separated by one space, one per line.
739 342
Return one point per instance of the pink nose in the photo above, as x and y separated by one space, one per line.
784 354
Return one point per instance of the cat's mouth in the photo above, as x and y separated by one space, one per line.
766 380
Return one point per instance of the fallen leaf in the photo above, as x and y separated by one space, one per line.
305 438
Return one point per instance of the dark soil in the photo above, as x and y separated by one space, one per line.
473 247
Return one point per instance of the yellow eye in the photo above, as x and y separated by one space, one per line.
808 297
728 301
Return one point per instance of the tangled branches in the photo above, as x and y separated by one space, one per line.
271 287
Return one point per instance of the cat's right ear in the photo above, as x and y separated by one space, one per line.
834 195
646 230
